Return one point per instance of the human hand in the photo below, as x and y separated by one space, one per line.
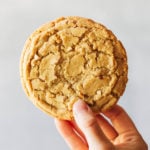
95 132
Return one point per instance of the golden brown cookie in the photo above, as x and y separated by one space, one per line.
73 58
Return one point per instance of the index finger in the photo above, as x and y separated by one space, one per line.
120 120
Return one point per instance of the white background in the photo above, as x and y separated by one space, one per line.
22 125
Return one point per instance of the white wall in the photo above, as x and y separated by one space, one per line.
23 126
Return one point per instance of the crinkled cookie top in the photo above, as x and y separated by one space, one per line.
73 58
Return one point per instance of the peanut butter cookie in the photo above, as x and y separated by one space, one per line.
73 58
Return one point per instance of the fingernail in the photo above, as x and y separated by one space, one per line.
80 107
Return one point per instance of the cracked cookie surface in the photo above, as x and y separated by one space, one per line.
73 58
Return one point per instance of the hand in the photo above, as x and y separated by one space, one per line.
95 132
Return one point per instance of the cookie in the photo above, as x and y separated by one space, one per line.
73 58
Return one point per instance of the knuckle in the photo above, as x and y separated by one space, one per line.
90 123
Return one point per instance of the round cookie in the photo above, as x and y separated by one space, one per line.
73 58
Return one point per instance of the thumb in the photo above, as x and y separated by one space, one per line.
86 121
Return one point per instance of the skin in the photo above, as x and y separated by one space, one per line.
113 130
